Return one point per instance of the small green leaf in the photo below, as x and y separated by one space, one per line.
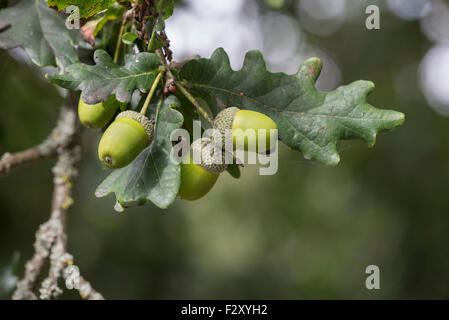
87 8
129 38
154 24
107 39
105 78
160 24
155 42
233 170
152 176
31 24
165 7
308 120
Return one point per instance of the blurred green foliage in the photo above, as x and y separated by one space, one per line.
8 277
307 232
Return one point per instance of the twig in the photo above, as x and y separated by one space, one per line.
61 262
51 239
184 91
164 61
177 65
59 138
10 161
64 172
25 287
119 41
167 51
87 292
151 93
197 105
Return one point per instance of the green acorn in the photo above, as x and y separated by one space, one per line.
234 118
124 139
198 179
96 116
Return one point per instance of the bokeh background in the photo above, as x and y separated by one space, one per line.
307 232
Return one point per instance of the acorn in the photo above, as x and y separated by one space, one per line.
197 179
234 118
125 138
96 116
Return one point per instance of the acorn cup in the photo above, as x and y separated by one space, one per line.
96 116
124 139
233 118
197 179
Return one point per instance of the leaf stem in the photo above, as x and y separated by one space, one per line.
119 42
150 94
192 99
184 91
158 110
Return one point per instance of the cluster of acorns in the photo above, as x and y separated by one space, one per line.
131 132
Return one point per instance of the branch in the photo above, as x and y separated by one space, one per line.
168 53
58 139
51 239
61 262
25 287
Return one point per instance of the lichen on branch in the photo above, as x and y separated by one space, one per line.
51 238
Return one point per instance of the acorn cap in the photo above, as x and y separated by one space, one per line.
224 120
142 119
209 151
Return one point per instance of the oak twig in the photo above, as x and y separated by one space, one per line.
51 238
58 139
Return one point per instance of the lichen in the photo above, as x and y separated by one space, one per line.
62 134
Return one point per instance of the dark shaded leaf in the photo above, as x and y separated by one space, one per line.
165 7
106 78
129 38
233 170
31 24
155 42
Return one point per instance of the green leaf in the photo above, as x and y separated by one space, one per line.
129 38
31 24
308 120
114 12
8 279
105 78
155 42
108 36
165 7
87 8
234 170
154 24
152 175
